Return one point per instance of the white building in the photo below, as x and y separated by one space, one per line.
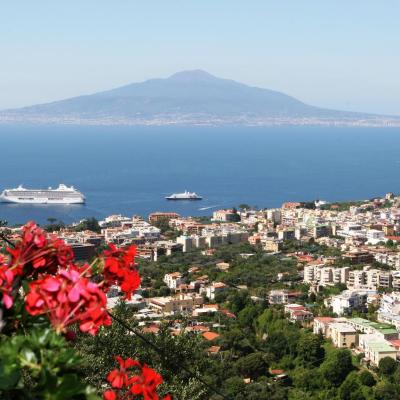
173 280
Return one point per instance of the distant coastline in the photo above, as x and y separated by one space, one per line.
193 122
190 98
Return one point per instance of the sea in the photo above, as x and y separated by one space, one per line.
130 170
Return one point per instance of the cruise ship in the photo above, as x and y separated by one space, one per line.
184 196
62 195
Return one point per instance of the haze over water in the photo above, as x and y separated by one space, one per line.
130 170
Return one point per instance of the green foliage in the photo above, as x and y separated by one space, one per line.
89 224
387 391
253 366
337 366
350 389
387 366
366 378
40 365
309 350
98 352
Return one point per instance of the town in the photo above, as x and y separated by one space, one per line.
331 270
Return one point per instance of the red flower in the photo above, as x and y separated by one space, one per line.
37 250
118 378
146 383
131 386
68 297
6 285
110 395
119 268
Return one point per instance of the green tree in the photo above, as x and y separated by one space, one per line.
366 378
89 224
252 366
234 387
336 368
387 391
247 316
387 366
350 389
309 350
308 379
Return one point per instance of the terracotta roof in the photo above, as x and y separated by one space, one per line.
323 319
151 329
198 328
213 349
277 371
395 342
228 313
210 335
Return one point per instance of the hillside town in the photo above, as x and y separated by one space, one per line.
331 270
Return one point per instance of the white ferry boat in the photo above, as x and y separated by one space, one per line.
62 195
184 196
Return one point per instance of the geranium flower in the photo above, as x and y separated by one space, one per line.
119 268
38 250
6 285
128 385
67 298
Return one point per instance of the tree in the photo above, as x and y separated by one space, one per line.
336 368
89 224
234 386
307 379
387 366
350 389
252 366
366 378
387 391
247 316
310 351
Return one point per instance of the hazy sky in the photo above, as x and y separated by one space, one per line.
342 54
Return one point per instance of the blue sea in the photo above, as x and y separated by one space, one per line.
129 170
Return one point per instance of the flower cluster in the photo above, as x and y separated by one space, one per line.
39 270
6 285
127 385
119 268
69 297
38 251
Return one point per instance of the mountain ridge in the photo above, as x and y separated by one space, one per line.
193 97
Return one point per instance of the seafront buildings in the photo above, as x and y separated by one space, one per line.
357 273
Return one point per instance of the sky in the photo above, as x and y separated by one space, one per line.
342 54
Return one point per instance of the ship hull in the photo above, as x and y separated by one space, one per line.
177 199
10 199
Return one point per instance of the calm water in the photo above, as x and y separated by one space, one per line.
130 170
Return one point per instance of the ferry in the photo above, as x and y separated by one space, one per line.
62 195
184 196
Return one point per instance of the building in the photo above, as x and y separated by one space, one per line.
349 300
376 348
226 216
273 245
186 242
215 288
359 257
342 335
83 251
183 303
298 313
173 280
162 216
321 325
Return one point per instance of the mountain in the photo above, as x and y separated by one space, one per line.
189 98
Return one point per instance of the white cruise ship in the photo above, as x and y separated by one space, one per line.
62 195
184 196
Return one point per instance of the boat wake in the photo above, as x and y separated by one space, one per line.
207 208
